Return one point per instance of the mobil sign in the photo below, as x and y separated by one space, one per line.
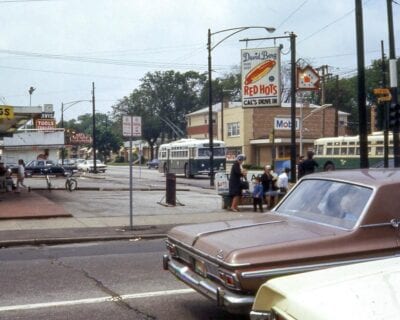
285 123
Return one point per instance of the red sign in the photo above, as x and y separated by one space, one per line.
307 79
45 124
80 138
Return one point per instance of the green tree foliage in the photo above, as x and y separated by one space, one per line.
162 100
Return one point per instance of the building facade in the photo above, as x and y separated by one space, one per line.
264 134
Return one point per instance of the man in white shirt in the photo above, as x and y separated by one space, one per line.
283 180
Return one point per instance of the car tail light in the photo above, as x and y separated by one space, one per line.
229 279
173 251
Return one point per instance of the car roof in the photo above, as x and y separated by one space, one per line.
374 177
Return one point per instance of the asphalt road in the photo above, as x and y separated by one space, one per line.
113 280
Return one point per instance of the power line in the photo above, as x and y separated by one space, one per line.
291 14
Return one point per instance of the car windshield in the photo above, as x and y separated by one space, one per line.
329 202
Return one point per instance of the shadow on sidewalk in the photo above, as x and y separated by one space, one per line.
27 205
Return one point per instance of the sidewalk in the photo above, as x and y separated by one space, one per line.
32 218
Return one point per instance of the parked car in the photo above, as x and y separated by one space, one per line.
42 167
153 164
13 167
69 165
327 219
360 291
88 166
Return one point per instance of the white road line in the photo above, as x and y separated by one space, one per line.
94 300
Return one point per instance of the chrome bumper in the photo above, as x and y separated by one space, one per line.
233 302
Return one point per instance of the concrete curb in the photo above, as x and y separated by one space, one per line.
56 241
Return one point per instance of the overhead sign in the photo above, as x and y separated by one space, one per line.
6 112
383 94
307 79
261 85
131 126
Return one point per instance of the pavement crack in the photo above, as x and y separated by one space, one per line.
115 297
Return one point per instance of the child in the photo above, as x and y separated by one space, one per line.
258 194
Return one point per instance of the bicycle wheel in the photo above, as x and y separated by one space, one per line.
71 184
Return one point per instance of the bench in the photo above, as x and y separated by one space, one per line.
246 200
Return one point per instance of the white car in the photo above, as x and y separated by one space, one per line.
88 166
360 291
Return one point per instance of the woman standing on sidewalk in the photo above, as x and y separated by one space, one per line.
235 190
21 175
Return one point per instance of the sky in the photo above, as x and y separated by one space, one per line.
62 47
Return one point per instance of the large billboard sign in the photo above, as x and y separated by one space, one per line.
261 84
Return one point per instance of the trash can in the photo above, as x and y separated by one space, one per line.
170 196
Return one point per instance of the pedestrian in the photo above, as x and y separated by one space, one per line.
308 165
235 182
283 181
300 171
21 176
268 180
258 195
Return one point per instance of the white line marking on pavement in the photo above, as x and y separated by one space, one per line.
94 300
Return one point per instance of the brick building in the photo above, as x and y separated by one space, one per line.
264 134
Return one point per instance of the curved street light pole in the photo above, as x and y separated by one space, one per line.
210 111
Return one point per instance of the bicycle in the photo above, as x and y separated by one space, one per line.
71 184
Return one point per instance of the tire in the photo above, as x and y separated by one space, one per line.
186 171
71 185
329 166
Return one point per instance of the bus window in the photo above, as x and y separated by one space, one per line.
379 151
343 151
352 151
336 151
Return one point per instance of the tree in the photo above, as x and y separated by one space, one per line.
108 133
162 100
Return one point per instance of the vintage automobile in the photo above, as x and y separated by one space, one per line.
359 291
42 167
155 163
327 219
88 166
69 165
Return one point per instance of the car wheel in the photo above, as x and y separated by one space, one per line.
186 171
329 166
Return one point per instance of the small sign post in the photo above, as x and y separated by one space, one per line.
131 127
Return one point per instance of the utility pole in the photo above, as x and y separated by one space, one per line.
324 74
362 109
393 83
385 113
94 132
336 105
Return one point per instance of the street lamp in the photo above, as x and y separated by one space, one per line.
69 105
313 112
31 89
210 112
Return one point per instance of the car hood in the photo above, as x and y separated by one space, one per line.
249 241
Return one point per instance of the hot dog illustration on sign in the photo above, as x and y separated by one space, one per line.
259 71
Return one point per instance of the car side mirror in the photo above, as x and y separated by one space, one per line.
395 223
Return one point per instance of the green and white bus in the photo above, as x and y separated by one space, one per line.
344 152
191 157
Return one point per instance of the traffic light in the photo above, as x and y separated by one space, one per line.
394 115
380 117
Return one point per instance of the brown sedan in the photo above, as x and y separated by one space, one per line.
327 219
